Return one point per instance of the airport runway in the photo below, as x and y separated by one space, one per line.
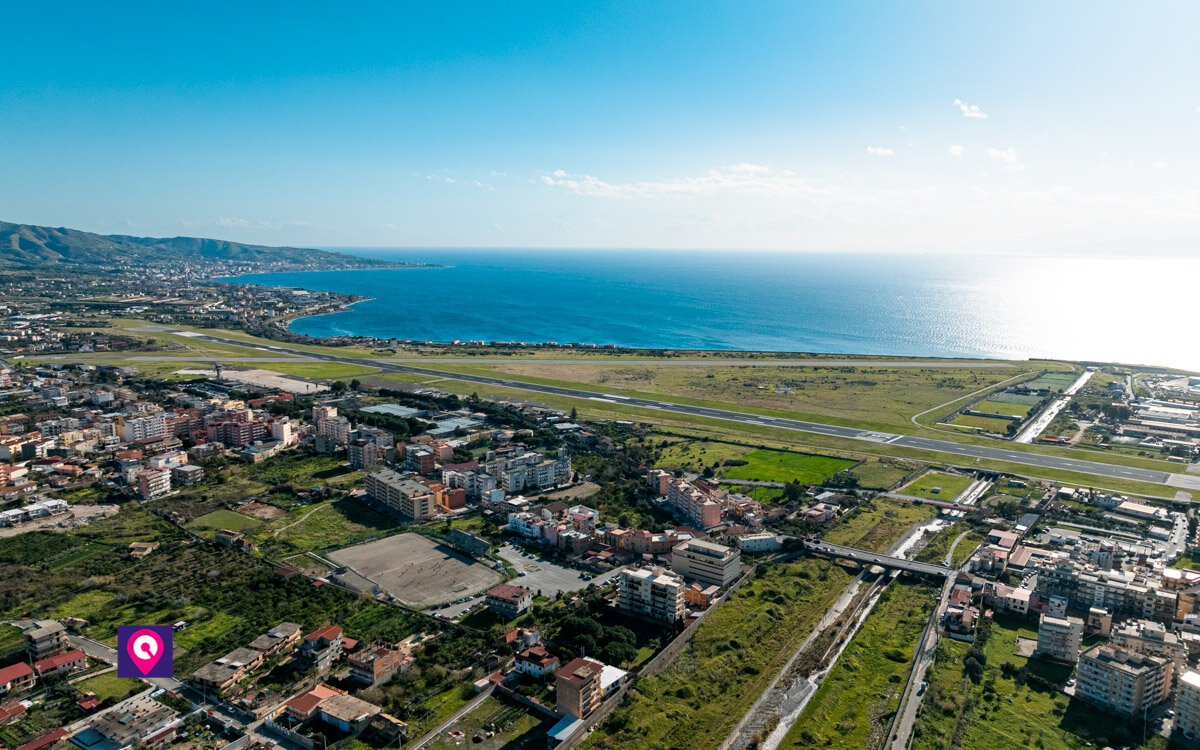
987 452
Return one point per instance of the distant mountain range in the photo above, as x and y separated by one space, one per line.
29 247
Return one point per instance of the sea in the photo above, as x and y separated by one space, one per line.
1101 309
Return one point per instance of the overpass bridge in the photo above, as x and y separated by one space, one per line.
837 552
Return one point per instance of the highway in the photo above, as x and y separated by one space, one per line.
983 452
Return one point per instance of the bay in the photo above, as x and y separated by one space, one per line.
1110 309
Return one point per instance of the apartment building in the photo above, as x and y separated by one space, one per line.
140 428
509 601
334 429
46 638
693 505
369 447
1059 638
154 483
1187 707
651 594
321 648
1152 638
706 562
1086 586
403 495
577 687
1122 681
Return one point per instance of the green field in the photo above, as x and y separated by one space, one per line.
224 519
853 706
987 424
695 455
999 713
992 406
883 473
878 524
868 397
322 526
923 486
12 639
694 703
777 466
108 685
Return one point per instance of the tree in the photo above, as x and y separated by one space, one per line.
355 384
574 414
338 387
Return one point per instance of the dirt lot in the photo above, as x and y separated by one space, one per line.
265 512
418 571
265 379
580 491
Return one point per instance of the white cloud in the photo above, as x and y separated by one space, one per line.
957 150
737 179
880 151
970 110
483 185
1160 164
1006 155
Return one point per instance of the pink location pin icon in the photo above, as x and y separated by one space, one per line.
145 648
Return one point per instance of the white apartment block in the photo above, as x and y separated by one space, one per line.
1187 707
409 498
141 428
1059 638
706 562
1122 681
651 594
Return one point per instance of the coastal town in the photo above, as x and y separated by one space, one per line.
495 571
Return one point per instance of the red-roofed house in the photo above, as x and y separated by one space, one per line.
17 677
303 706
67 661
44 741
10 712
536 661
509 601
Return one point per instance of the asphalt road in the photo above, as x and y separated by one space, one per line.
992 453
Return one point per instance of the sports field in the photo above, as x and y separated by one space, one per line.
417 570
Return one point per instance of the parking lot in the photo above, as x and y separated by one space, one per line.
541 576
547 577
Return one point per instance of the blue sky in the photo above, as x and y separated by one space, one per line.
930 127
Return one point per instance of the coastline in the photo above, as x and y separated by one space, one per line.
876 307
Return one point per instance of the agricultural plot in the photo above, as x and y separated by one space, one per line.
780 466
495 725
936 486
